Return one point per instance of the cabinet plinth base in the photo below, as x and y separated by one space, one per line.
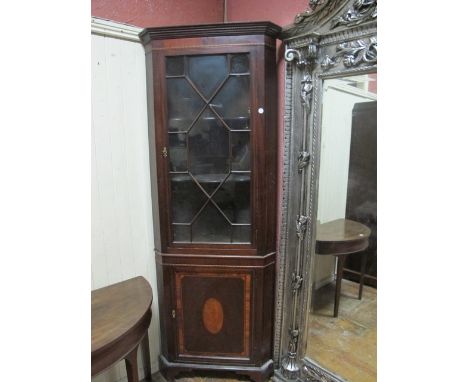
257 374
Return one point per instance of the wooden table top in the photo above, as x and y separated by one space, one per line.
341 236
117 309
342 230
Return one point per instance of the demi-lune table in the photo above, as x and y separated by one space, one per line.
120 317
341 237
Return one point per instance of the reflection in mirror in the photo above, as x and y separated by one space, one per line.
343 315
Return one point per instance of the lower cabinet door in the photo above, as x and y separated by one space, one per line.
213 311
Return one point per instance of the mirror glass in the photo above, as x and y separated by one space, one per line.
342 326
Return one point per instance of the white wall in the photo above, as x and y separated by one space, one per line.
122 226
338 102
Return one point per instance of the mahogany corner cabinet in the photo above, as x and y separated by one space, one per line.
212 109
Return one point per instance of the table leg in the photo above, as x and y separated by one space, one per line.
339 277
145 352
363 272
131 363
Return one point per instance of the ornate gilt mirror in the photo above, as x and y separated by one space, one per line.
327 296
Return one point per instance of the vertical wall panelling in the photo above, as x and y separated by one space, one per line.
122 225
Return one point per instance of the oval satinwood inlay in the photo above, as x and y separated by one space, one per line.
213 315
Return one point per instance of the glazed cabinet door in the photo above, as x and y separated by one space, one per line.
207 132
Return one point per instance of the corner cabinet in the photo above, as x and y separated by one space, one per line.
213 147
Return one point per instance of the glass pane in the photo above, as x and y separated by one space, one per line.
210 182
175 66
205 150
232 102
178 152
234 198
241 233
240 63
209 151
211 226
207 72
187 198
346 214
240 146
183 104
181 233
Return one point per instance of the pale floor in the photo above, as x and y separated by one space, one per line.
347 344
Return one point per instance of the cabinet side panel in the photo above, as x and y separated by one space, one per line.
154 197
271 151
152 149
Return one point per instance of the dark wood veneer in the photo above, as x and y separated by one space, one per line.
198 282
232 291
120 317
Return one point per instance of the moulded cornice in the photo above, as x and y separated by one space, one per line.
109 28
210 30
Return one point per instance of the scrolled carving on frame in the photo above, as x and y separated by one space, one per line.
361 10
353 53
318 11
327 62
303 56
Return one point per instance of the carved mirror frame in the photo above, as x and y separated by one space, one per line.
333 38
